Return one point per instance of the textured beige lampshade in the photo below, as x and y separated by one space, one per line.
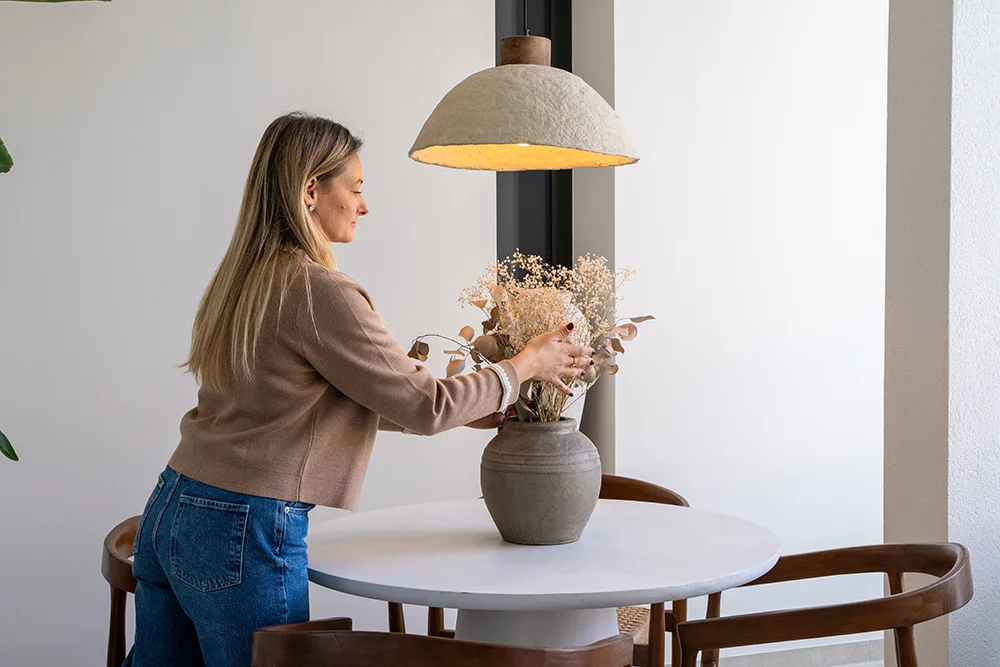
522 117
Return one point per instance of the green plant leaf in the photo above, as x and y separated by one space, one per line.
6 161
6 448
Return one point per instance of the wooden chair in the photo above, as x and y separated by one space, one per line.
117 570
647 627
320 643
898 612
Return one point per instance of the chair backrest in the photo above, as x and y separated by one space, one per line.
115 564
899 611
117 571
614 487
280 646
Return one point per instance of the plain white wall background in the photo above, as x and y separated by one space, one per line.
974 325
756 222
942 305
132 125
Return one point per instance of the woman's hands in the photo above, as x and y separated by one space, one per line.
549 357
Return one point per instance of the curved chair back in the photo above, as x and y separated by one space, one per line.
614 487
898 612
309 645
117 570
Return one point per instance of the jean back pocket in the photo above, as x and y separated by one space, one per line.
206 544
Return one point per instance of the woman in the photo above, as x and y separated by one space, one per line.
297 374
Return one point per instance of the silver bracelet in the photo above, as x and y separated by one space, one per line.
505 381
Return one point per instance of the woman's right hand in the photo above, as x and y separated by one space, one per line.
550 357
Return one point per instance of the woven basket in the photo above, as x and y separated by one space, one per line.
634 621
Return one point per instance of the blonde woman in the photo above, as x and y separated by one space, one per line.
297 374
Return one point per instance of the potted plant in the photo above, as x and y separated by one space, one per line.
6 162
540 475
6 448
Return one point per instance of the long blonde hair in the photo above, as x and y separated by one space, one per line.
275 236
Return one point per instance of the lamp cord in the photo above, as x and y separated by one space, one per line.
526 31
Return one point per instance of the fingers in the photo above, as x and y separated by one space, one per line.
564 332
558 384
569 372
580 351
573 367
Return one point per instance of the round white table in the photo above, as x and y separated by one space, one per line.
450 554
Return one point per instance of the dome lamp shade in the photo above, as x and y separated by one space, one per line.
523 115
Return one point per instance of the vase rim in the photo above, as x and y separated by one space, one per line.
562 424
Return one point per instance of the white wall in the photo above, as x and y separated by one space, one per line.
756 222
974 324
132 124
942 309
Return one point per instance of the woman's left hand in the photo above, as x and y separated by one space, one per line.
494 420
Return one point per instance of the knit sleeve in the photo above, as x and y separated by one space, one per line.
386 425
345 341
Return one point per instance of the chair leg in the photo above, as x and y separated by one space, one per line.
640 655
689 659
396 620
906 653
710 657
680 614
657 635
116 628
435 621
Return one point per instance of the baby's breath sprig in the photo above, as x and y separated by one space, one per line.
524 296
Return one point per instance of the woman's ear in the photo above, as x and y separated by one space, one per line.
310 193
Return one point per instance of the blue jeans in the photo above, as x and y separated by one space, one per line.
212 566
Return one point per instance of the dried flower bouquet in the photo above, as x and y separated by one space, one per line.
523 297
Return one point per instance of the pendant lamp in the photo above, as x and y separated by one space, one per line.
523 115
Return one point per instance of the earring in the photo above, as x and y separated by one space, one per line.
312 207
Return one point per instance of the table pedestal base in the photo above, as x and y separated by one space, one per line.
551 629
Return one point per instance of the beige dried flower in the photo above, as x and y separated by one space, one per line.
524 296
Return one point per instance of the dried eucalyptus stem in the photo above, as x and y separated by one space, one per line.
523 296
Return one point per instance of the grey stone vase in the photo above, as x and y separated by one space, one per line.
540 481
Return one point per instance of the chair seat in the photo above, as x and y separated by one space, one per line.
634 621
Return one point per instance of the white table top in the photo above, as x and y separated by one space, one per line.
450 554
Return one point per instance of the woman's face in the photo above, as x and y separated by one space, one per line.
339 202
